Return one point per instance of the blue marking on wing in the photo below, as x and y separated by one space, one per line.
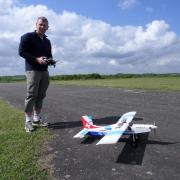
115 131
95 133
84 131
108 128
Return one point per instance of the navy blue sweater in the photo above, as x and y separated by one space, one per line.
32 46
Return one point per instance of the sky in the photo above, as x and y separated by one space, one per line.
95 36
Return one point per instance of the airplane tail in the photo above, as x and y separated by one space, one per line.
87 122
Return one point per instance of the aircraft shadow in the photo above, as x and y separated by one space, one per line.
65 125
134 156
131 155
90 139
73 124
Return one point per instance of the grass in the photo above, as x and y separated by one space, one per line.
146 83
19 151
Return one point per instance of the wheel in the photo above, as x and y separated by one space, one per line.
137 137
134 139
134 144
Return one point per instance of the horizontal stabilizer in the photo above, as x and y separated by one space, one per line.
81 134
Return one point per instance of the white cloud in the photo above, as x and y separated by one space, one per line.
84 45
5 6
113 62
126 4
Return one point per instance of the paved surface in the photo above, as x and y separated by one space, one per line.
156 157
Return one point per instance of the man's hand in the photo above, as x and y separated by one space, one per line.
41 60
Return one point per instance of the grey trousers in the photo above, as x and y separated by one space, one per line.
37 84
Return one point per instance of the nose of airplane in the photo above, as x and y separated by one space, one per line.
153 127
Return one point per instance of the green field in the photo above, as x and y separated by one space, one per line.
146 83
162 82
19 151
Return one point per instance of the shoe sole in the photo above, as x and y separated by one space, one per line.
40 125
28 130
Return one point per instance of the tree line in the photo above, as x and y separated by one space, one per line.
19 78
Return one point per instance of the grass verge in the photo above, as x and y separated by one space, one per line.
146 83
19 151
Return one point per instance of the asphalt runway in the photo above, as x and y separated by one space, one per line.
157 157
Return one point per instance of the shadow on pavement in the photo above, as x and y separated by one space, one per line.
101 121
65 125
134 156
111 120
91 139
73 124
131 155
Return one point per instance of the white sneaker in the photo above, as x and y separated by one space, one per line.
28 127
37 121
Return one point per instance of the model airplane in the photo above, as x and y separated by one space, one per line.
112 133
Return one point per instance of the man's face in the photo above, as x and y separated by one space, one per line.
41 27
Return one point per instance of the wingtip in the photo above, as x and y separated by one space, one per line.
99 143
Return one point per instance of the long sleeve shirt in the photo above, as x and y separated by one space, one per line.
32 46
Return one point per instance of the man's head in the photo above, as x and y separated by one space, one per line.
41 25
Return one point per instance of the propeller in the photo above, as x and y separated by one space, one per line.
154 129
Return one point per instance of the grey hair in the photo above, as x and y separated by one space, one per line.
44 19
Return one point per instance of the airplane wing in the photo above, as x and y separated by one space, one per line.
114 135
127 117
81 134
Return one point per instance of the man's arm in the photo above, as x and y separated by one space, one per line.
50 52
24 47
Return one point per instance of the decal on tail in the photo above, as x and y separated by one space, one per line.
87 122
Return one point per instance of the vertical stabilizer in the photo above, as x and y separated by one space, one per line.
87 122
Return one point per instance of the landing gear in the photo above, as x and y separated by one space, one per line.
134 140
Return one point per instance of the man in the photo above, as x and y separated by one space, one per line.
35 48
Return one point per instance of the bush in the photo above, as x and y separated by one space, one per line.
76 77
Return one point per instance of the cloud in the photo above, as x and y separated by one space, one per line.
126 4
5 6
85 45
